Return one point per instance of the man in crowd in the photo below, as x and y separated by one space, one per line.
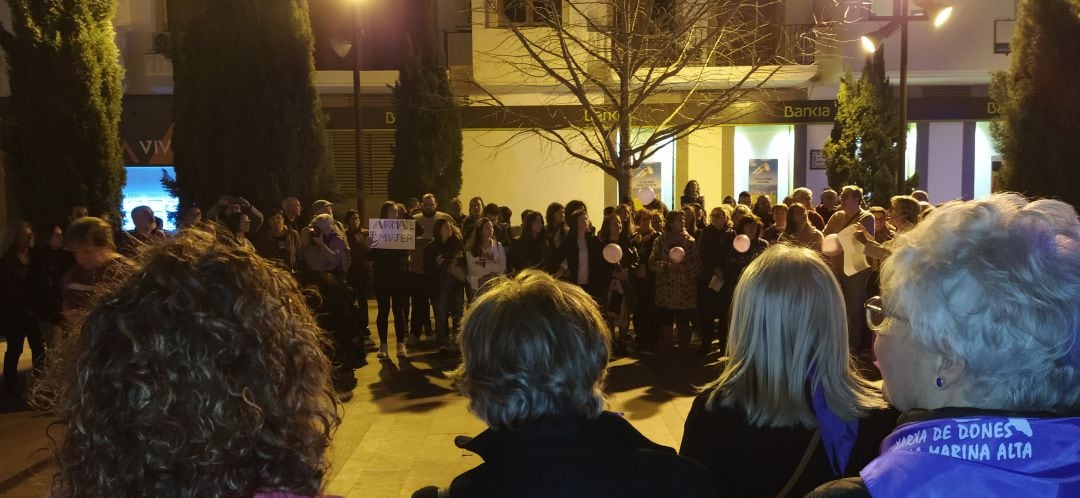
828 204
146 232
853 286
228 205
77 211
291 206
420 316
805 196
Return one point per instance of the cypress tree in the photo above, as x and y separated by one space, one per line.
862 148
248 118
1039 102
66 96
427 153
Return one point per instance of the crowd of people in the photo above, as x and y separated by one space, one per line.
194 363
669 273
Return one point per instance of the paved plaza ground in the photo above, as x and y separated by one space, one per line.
398 429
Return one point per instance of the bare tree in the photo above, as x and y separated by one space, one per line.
643 72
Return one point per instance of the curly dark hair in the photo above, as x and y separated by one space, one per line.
201 374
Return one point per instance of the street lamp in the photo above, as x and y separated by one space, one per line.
356 33
932 10
342 48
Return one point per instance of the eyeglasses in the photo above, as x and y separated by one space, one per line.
876 314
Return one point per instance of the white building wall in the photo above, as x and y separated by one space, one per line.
525 172
706 164
816 179
945 161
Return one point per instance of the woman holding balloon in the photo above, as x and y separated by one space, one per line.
612 275
677 263
746 247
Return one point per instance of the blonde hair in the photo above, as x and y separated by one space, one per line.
532 347
787 317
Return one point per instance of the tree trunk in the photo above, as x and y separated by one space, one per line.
622 176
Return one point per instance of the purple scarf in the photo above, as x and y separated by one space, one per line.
978 456
837 435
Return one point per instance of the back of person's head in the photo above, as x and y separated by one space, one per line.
532 347
384 210
788 333
993 285
90 233
908 206
200 374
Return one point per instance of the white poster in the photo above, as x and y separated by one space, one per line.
392 233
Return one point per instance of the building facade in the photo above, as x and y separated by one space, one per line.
791 117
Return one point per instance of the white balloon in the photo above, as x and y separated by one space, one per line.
646 196
612 253
741 243
677 254
831 245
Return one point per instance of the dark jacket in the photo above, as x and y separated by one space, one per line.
529 252
575 457
47 268
451 250
389 266
714 245
602 272
748 461
568 252
1048 472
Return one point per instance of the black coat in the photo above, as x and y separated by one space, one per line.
529 252
575 457
748 461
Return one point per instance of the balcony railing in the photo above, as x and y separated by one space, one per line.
771 45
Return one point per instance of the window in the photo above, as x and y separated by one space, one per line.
664 16
529 12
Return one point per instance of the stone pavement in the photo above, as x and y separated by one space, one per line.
398 429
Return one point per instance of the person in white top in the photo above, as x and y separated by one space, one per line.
485 257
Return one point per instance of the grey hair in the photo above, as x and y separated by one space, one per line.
995 283
532 347
787 317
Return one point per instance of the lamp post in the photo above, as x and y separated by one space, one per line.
358 150
932 10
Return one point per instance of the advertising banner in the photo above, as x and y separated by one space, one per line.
763 176
647 176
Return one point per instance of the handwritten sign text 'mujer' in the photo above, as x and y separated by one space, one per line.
392 233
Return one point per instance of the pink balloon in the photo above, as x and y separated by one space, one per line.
741 243
831 245
612 253
677 254
646 196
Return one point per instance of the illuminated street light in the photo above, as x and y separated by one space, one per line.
932 10
871 41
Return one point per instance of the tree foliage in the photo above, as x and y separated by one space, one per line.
66 95
1038 101
862 148
427 134
644 72
248 117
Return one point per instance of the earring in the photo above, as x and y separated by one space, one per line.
939 383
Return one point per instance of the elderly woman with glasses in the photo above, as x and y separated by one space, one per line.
534 356
979 346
